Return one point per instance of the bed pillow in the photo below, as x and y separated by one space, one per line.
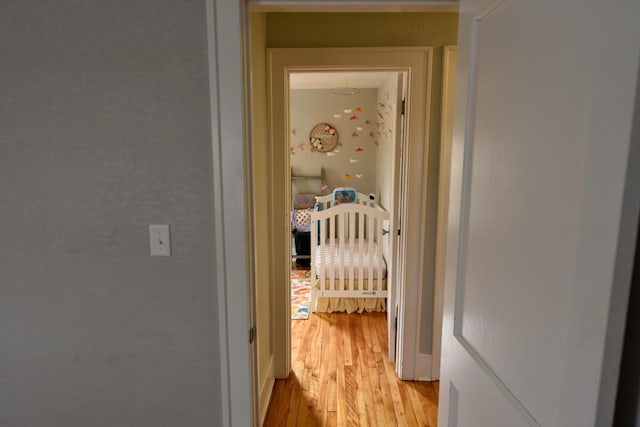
304 201
301 219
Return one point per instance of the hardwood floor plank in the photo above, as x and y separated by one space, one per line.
279 405
297 376
385 393
331 373
311 383
346 340
406 390
428 399
320 409
356 338
332 420
365 361
341 409
418 409
351 401
341 376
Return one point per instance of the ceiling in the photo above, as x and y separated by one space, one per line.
333 79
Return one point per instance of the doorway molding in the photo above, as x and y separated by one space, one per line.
446 139
418 62
354 6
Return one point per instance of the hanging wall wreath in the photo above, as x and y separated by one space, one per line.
323 137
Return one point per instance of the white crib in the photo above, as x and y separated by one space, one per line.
346 252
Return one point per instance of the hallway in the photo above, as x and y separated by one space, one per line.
341 376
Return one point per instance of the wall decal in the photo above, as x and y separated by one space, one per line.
367 122
386 116
355 134
358 110
358 175
348 110
331 154
353 160
347 176
359 150
292 151
354 117
294 131
301 147
337 115
359 128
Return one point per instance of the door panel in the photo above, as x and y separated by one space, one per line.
541 138
396 211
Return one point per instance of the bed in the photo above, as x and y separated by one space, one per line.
304 189
347 264
303 206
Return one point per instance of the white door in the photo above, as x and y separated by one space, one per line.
535 289
394 268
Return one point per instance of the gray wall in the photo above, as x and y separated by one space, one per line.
104 129
308 107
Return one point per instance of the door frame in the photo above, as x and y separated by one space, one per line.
416 60
446 139
227 25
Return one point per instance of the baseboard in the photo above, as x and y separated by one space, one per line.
266 387
423 367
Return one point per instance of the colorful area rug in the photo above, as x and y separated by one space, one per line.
300 294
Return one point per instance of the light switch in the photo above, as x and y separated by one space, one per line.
160 240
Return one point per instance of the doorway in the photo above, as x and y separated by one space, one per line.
416 63
364 109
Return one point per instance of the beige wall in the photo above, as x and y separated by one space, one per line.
312 106
362 29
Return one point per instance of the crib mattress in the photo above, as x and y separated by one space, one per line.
323 258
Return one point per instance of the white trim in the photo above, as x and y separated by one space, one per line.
266 388
226 28
412 314
354 5
446 128
417 60
423 367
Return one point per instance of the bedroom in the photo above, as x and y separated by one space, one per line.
360 108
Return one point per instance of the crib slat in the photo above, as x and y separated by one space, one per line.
371 236
352 240
380 242
332 251
322 248
341 245
361 221
314 250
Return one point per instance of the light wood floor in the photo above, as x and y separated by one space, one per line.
341 376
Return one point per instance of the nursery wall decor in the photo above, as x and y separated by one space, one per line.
323 137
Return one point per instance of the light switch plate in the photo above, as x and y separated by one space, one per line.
159 240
